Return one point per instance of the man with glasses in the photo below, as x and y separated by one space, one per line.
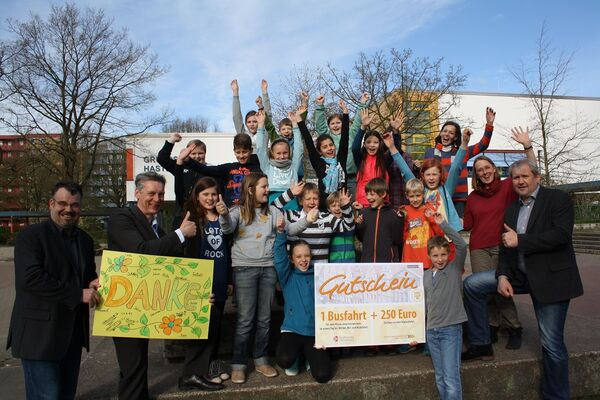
56 284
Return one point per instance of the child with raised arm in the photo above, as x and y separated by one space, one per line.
445 310
447 145
319 234
253 223
332 126
186 178
296 277
231 174
379 228
280 163
328 161
438 188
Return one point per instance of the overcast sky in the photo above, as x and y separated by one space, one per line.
206 44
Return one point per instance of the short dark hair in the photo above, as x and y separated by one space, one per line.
71 186
457 139
242 141
296 243
285 121
150 176
377 185
249 114
437 241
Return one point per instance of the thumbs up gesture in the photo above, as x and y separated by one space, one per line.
188 227
280 224
510 238
221 206
313 215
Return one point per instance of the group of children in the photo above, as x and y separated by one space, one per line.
260 218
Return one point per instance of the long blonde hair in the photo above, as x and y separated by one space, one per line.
248 199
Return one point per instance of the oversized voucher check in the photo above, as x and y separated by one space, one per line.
369 304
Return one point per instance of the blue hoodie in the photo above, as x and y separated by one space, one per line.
298 292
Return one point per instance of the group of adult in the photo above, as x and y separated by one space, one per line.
521 242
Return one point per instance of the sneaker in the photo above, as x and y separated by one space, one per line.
294 369
484 352
405 348
267 370
218 368
238 376
514 338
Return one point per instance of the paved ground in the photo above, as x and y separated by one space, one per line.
99 371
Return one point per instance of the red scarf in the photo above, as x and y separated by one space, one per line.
489 190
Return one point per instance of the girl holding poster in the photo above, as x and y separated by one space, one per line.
297 279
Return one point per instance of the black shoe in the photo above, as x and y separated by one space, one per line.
198 382
494 333
514 338
484 352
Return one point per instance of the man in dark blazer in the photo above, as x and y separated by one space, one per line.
136 230
55 282
536 257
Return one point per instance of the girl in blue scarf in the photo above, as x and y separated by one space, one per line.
330 170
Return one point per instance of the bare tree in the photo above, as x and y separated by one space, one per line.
75 75
566 141
192 124
396 80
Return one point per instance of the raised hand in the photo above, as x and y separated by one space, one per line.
510 238
280 223
221 207
490 115
521 136
174 138
388 139
304 98
264 86
438 218
259 102
260 118
184 154
364 98
466 136
344 197
397 120
294 117
320 100
343 106
297 187
313 215
234 87
365 118
302 108
188 227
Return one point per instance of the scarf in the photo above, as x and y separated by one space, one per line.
334 175
281 164
439 149
489 190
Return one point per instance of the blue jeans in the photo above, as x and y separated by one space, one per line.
445 346
255 289
50 380
551 323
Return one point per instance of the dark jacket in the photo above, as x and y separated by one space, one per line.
49 289
547 247
381 234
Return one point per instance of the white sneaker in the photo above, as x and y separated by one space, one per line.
294 369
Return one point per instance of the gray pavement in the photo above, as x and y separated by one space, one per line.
410 375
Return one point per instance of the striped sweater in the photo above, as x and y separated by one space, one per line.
318 234
447 155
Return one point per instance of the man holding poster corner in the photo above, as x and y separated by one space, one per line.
136 230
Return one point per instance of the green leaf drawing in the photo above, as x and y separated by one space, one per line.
177 261
144 319
109 261
170 268
143 271
208 283
145 331
186 322
197 331
193 265
195 314
160 260
143 261
205 295
205 309
184 271
124 328
120 259
203 320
